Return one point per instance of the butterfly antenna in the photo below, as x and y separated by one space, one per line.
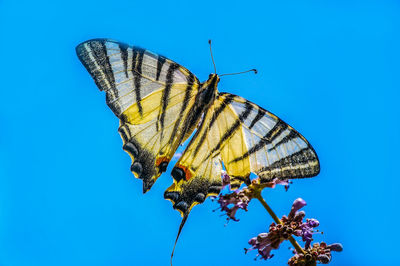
212 58
255 72
179 232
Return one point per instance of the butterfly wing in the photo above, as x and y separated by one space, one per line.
244 138
150 94
195 178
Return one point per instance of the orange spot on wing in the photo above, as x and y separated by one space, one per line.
188 173
161 160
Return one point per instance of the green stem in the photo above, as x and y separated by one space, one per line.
257 195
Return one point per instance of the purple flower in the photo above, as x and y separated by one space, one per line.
307 231
312 222
294 224
295 218
290 225
226 179
277 181
231 203
297 205
266 242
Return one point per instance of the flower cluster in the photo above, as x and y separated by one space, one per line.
239 199
319 252
294 224
290 225
266 242
232 202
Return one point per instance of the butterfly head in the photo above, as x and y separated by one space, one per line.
209 89
213 80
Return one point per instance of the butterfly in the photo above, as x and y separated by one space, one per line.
160 104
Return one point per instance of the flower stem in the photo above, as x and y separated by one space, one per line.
257 195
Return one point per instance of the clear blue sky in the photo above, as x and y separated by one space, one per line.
328 68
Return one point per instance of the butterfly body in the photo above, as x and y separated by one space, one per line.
209 90
160 104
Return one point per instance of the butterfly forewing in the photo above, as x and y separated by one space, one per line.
153 97
129 73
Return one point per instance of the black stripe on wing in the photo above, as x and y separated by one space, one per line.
160 62
185 105
269 137
260 114
303 163
124 56
225 102
165 95
137 60
143 163
93 55
197 190
233 128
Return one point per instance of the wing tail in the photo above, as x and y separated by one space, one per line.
185 216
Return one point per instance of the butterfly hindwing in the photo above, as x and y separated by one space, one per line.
195 177
246 139
150 94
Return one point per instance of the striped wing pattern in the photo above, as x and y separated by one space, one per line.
159 104
195 177
244 138
150 94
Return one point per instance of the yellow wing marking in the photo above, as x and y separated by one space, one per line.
151 105
235 146
245 138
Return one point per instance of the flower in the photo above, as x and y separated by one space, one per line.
319 252
297 205
226 179
290 225
277 181
241 198
266 242
231 203
305 230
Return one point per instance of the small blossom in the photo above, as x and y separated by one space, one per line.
297 205
277 181
266 242
313 222
226 179
231 203
299 216
307 231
